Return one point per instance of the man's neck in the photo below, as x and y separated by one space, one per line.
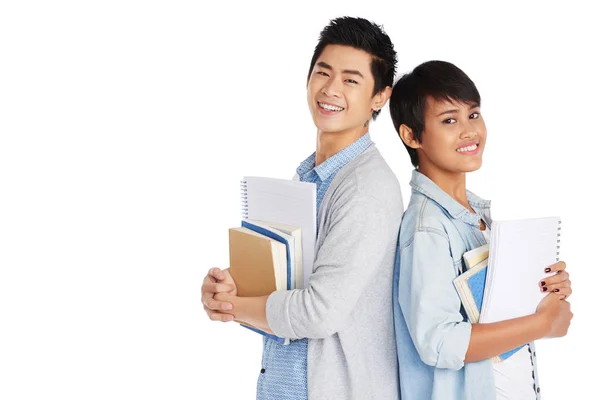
331 143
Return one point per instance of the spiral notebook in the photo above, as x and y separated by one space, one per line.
501 280
287 202
520 250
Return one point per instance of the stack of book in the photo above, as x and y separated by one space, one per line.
273 249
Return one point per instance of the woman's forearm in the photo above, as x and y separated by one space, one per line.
493 339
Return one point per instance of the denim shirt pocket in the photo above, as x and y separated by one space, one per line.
457 248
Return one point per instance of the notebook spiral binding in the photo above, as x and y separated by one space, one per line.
558 240
244 198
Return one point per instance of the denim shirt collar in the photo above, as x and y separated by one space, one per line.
428 188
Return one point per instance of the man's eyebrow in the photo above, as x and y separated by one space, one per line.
353 72
323 64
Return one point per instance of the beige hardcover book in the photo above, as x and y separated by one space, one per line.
257 264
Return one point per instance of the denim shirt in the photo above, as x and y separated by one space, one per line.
432 329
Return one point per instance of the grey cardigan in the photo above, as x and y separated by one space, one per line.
346 311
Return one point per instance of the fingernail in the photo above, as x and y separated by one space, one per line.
544 289
556 290
547 270
543 283
227 306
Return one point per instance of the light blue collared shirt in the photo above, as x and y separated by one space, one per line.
432 329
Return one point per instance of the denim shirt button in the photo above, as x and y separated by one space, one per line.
538 389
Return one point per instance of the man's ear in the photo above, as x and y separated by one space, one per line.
408 137
381 98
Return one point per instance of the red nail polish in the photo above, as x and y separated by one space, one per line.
544 289
547 270
543 283
556 290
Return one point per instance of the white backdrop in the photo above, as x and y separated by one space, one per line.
126 125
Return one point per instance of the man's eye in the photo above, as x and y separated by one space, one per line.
351 81
474 115
322 73
449 121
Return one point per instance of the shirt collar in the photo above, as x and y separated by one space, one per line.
335 162
427 187
306 165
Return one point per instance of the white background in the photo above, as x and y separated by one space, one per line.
125 127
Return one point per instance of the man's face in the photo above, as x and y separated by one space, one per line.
340 89
454 137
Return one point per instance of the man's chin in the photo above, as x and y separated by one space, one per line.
329 127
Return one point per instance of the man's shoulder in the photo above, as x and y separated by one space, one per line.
370 175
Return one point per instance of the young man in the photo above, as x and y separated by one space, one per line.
436 111
342 322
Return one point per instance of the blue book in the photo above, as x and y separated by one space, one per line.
470 286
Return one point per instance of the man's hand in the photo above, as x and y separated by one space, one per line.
218 281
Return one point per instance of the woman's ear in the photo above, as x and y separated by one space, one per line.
407 136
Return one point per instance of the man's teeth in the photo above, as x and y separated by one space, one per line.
330 107
468 148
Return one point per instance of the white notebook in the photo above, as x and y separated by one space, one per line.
286 202
520 250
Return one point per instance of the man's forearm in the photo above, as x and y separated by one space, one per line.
252 310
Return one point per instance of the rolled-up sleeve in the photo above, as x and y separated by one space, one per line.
429 301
